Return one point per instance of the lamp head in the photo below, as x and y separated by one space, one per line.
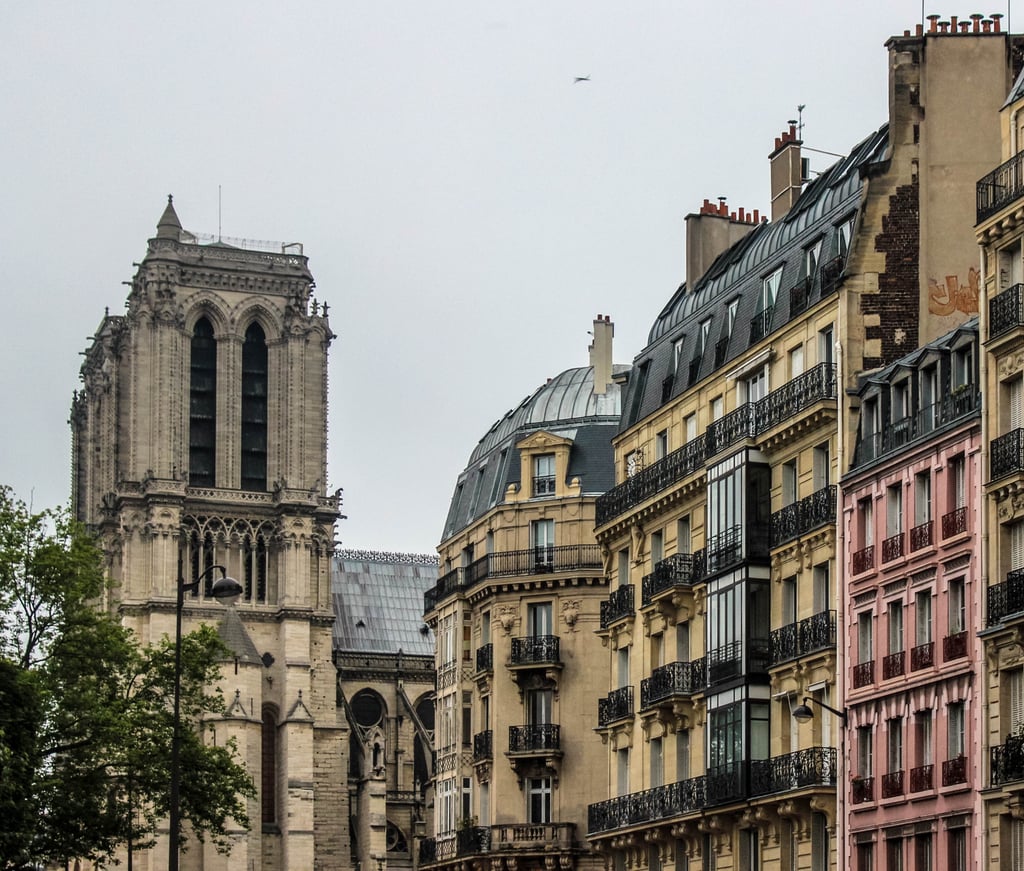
803 713
226 590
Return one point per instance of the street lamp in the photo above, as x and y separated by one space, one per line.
226 591
803 713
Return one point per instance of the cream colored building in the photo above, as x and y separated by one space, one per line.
514 613
199 439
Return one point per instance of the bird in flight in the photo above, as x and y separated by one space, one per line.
579 79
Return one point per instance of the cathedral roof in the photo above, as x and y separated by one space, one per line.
235 637
169 226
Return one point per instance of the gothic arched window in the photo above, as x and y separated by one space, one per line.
254 409
202 401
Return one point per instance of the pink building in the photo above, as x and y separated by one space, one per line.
911 607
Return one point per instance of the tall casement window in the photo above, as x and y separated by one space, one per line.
268 769
544 475
538 800
254 409
202 402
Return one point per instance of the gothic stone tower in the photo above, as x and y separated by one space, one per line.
200 438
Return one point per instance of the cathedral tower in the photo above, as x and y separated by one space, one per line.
200 438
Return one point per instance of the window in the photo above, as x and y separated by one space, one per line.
826 345
822 588
865 651
956 725
894 854
254 409
657 762
683 535
844 232
730 318
962 367
467 798
539 706
923 617
683 754
623 566
1017 545
895 613
202 432
622 771
717 408
677 353
789 601
657 547
923 728
957 482
865 511
929 396
538 619
622 666
865 752
755 386
789 482
661 445
544 475
865 857
769 290
796 361
749 843
819 842
690 424
703 331
922 498
812 256
895 745
957 607
543 534
893 510
900 400
485 802
956 858
538 800
683 641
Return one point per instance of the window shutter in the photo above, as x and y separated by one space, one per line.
1016 395
1017 545
1016 680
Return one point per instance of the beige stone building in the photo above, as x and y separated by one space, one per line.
199 439
515 612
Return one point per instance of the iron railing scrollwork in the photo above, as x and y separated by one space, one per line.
535 650
650 805
617 705
485 658
472 841
864 673
1006 598
1007 760
483 745
893 665
1006 311
673 679
954 771
676 570
815 766
999 188
892 784
921 778
532 738
892 547
921 536
864 559
955 522
814 633
1006 454
922 656
618 605
954 646
862 789
761 324
803 516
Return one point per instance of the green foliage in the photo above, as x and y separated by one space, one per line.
86 712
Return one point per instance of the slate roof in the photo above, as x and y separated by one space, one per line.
378 602
565 406
738 273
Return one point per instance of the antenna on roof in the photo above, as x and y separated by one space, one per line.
800 120
218 213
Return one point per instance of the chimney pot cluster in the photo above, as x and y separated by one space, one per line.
786 137
722 210
978 24
606 318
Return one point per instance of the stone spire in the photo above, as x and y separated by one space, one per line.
168 227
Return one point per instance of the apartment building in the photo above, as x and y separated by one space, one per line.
913 604
514 612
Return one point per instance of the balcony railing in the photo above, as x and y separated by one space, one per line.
1006 598
725 549
535 650
485 658
922 656
513 563
963 402
862 789
892 784
533 837
955 522
1006 453
725 662
954 646
761 324
800 295
894 665
892 547
617 705
428 851
954 771
671 572
721 351
544 485
921 536
921 778
1007 761
472 841
999 188
809 635
804 516
831 272
815 766
483 745
694 371
618 606
864 673
863 559
660 803
814 385
674 679
534 738
1006 311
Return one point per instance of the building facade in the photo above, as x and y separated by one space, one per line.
912 515
514 613
199 440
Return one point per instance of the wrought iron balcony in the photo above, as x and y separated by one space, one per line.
892 547
864 673
618 606
800 295
892 784
535 650
725 549
815 766
954 646
617 705
483 746
921 778
814 633
864 559
543 485
1006 311
761 324
955 522
534 738
803 516
862 789
831 272
650 805
954 771
533 837
694 371
449 583
1002 186
671 572
473 841
921 536
721 351
1007 761
894 665
726 783
922 656
485 658
1006 454
730 429
1007 598
725 662
814 385
673 680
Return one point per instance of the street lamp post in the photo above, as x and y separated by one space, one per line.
226 591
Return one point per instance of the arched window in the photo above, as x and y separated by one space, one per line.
268 777
254 568
254 409
202 400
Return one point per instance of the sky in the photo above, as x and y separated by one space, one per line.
466 207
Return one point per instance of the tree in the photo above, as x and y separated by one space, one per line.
85 710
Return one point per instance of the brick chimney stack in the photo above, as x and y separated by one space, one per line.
786 171
711 231
601 353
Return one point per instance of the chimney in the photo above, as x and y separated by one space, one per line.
711 231
786 172
601 353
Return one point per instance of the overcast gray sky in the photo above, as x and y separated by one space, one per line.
466 209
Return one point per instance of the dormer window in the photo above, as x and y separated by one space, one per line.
544 475
900 401
962 367
844 232
769 290
812 258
